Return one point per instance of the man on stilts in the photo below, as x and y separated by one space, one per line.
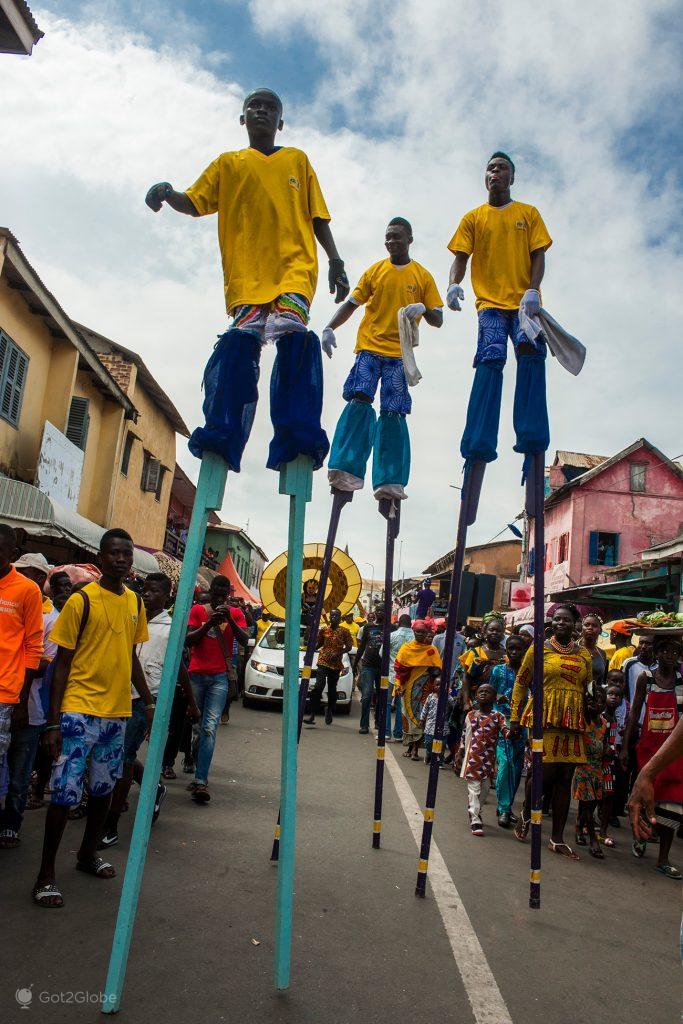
507 241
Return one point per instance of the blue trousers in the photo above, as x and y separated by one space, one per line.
369 684
530 412
296 399
209 693
398 716
20 758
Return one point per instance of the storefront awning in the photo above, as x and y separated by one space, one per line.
646 590
28 508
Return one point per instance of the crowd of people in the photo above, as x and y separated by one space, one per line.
604 718
82 663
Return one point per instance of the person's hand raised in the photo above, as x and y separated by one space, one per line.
157 194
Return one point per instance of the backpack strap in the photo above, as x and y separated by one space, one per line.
84 616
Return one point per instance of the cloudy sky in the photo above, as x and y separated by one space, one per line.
398 104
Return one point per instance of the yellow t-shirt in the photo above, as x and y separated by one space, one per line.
266 206
383 290
501 241
100 676
620 656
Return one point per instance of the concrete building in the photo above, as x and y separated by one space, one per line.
87 438
18 29
247 557
602 512
489 570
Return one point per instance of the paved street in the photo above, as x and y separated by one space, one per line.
602 949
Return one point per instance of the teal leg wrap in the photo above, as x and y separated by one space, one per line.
391 455
352 443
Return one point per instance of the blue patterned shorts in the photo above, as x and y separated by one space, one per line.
83 735
367 371
495 327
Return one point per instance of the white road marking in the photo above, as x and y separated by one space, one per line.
483 993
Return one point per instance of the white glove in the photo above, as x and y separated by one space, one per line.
328 342
415 310
531 302
454 296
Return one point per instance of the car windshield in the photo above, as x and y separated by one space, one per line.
274 638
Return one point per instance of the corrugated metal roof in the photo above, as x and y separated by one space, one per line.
578 459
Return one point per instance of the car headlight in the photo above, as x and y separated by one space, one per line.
261 666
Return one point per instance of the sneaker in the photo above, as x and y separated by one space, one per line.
328 717
513 818
188 766
504 819
201 793
158 801
310 720
364 730
477 829
107 840
191 786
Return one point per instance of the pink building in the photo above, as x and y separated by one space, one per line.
602 512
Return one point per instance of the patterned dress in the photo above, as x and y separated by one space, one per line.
566 678
481 736
588 784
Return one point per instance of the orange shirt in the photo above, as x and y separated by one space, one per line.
21 632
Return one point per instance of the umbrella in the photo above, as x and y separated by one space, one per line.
343 585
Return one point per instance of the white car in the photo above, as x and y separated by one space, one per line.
264 674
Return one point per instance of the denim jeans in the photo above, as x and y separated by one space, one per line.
398 716
209 693
369 683
20 757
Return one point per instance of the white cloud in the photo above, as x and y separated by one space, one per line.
428 88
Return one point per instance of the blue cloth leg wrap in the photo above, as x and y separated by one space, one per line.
530 410
391 453
231 393
352 441
296 401
480 438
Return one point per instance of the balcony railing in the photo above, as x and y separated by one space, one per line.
175 545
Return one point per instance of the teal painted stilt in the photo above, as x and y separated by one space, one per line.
296 481
209 498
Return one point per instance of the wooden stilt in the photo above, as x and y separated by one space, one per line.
339 499
209 498
471 489
536 499
391 510
296 481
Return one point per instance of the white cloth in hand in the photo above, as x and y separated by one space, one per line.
454 296
409 337
328 342
414 311
531 302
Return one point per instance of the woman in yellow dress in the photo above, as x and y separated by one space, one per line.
478 661
567 674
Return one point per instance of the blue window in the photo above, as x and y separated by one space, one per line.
603 548
13 370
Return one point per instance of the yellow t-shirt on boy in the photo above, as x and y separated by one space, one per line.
265 206
100 675
500 240
383 289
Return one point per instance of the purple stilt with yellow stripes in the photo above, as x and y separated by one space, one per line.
339 499
471 489
535 506
391 510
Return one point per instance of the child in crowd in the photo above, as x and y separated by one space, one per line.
483 727
613 699
428 715
587 785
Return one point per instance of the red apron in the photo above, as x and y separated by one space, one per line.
661 715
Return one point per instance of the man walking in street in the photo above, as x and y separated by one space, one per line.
368 657
24 737
151 655
211 631
21 644
333 643
90 701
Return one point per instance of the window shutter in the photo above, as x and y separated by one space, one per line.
150 476
593 548
13 367
79 422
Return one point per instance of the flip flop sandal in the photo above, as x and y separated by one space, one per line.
34 803
521 829
607 841
98 867
669 870
597 853
406 754
563 850
9 839
168 773
580 839
42 893
414 756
